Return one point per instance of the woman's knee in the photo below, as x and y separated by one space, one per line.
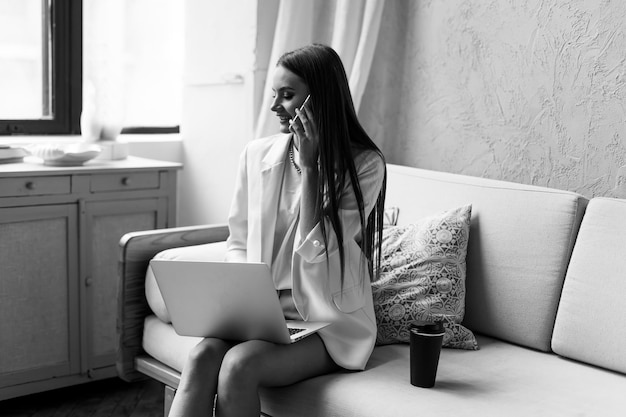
208 352
240 366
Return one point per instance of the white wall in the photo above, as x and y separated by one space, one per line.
217 104
527 91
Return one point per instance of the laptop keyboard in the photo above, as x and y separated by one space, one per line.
294 330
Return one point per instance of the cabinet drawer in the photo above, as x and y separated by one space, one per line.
125 181
31 186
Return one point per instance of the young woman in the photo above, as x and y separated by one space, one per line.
309 203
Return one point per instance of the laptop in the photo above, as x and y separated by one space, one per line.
226 300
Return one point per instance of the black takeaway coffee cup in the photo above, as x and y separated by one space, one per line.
425 344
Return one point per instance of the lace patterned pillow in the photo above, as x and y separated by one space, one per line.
423 278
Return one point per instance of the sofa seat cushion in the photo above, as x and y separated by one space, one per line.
161 341
590 321
500 379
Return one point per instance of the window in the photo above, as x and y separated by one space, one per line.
40 66
122 60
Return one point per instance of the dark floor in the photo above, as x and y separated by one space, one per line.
107 398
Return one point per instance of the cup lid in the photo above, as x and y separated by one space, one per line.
429 327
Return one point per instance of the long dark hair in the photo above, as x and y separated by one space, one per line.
342 138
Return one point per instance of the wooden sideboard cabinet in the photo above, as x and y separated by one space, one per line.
59 233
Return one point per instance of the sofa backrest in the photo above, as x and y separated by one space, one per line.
590 320
520 243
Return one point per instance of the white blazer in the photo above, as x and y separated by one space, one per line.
316 281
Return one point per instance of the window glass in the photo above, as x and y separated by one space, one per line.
25 76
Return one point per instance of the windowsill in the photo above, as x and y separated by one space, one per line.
161 146
130 138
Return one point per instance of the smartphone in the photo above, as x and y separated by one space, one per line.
301 108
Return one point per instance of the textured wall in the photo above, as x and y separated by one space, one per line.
527 91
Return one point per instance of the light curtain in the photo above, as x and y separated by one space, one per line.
351 27
132 65
104 78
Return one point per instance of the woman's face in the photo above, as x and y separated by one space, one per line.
290 91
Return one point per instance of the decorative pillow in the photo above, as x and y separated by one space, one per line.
423 278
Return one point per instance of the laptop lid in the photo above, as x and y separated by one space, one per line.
227 300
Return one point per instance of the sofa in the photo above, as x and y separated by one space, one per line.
544 290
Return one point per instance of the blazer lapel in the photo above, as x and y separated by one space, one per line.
272 169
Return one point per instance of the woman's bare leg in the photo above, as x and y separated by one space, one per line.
255 363
198 383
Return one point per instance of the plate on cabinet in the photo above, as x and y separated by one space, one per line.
65 155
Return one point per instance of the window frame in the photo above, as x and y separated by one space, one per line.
66 32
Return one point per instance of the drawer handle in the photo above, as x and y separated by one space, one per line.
30 185
125 181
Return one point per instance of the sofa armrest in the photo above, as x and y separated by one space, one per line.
135 251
